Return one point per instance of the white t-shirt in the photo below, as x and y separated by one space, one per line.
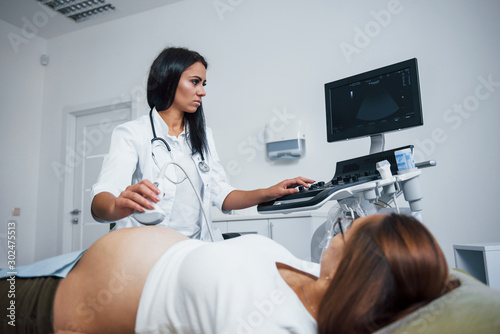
226 287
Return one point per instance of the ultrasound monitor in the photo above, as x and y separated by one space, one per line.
374 103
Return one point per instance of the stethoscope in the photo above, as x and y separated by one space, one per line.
202 165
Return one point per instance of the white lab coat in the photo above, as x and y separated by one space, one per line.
130 161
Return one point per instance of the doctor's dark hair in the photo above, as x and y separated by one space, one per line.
163 80
389 268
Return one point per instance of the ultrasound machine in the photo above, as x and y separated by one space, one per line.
368 104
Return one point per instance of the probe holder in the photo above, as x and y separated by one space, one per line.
412 190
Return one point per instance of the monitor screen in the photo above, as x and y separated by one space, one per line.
375 102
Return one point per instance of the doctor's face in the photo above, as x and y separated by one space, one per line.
190 89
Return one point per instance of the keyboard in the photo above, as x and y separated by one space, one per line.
350 175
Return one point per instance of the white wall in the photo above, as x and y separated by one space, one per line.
268 59
21 96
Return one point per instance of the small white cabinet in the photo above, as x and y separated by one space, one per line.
294 231
481 261
244 226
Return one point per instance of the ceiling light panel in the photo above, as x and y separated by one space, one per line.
79 10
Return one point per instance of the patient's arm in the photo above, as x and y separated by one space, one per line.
101 294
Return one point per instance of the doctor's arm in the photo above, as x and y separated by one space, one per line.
241 199
114 197
135 197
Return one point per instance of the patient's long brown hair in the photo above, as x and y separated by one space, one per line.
389 268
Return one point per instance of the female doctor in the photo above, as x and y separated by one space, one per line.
174 131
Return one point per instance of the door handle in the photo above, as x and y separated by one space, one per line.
75 214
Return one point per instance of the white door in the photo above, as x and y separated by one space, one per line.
93 130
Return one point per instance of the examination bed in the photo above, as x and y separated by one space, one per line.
471 308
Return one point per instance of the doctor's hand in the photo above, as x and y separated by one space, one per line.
287 187
242 199
136 197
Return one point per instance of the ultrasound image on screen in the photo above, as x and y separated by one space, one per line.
376 105
372 105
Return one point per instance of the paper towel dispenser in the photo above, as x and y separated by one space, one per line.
288 143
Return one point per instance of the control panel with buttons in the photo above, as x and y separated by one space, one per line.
351 176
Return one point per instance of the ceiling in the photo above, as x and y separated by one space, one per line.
31 16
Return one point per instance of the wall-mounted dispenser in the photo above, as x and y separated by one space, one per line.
285 142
